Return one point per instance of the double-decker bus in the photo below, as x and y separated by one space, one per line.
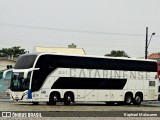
54 77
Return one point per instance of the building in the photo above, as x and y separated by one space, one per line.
155 56
79 51
7 62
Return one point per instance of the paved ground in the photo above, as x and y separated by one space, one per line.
86 108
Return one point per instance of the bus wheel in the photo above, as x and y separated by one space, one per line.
128 99
52 99
67 99
137 100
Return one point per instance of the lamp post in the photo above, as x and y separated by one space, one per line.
147 43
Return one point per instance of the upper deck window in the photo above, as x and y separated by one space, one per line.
25 62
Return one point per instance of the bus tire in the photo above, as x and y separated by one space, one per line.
137 100
67 99
128 99
52 99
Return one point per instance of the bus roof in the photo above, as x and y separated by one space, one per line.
91 56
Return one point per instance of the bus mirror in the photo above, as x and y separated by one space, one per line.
36 68
25 75
7 74
32 69
4 75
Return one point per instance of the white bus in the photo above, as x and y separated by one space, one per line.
54 77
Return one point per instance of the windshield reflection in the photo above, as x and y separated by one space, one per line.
19 83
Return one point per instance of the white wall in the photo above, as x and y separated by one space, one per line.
4 63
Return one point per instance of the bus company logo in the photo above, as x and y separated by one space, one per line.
6 114
20 114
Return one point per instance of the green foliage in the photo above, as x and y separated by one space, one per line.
117 53
15 51
72 46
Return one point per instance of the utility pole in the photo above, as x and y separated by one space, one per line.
146 47
147 43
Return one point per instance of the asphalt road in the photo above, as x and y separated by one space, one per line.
84 111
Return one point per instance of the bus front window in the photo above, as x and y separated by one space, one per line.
19 83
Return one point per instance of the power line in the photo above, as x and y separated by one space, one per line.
69 30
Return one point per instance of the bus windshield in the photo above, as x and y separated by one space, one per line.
19 83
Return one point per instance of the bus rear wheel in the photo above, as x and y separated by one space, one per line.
67 99
137 100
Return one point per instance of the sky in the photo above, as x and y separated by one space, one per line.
98 26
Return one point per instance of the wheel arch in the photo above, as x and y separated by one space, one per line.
57 93
71 94
140 93
128 93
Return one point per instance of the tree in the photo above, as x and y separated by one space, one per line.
117 53
15 51
4 52
72 46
